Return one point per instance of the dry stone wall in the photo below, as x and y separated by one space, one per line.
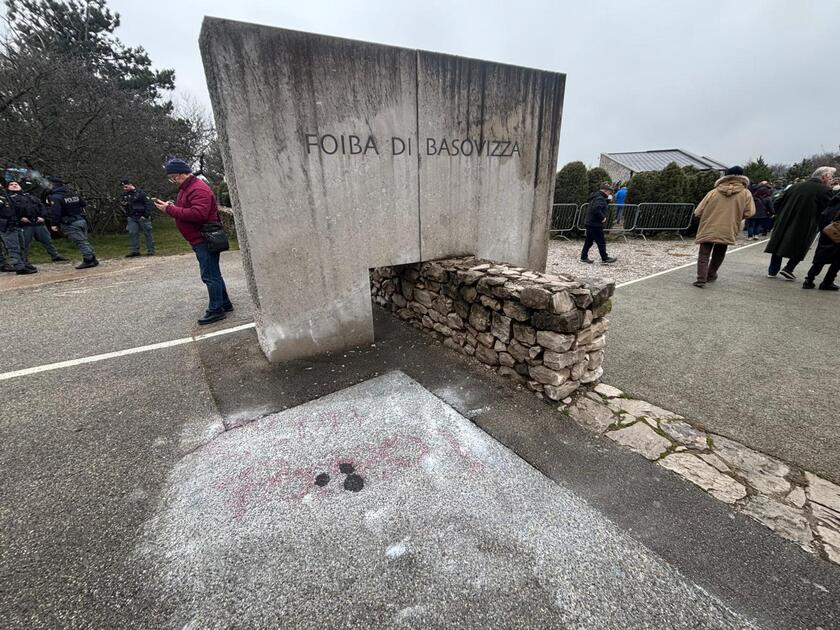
544 330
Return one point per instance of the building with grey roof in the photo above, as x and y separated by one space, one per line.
622 166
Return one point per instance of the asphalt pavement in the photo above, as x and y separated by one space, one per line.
753 358
108 481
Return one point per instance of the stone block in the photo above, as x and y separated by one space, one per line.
486 355
641 439
558 322
560 392
591 414
490 302
558 361
518 351
524 334
546 376
555 341
535 298
479 317
506 359
515 310
486 339
561 302
501 327
707 477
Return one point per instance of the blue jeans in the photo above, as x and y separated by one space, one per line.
211 276
754 226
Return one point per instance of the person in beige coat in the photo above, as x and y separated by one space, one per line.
721 213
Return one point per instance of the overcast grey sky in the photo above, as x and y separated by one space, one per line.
730 80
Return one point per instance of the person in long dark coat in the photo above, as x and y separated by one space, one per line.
797 211
827 253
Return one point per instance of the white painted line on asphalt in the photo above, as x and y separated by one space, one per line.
122 353
685 266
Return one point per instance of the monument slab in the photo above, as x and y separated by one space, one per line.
344 155
379 506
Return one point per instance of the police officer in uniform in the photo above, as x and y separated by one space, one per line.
11 237
67 210
138 213
33 224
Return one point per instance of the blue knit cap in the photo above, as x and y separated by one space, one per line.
175 166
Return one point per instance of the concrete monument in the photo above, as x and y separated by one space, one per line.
344 155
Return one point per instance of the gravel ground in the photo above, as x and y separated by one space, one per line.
636 258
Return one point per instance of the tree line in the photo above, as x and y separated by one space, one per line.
674 184
78 103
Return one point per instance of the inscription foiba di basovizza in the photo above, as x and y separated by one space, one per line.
349 144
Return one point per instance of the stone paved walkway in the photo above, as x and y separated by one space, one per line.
750 358
796 504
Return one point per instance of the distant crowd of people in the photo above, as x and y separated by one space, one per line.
24 217
803 211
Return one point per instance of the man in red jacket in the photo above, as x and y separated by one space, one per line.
195 206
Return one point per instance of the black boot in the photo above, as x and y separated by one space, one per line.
8 269
25 271
829 287
87 263
808 284
210 317
59 258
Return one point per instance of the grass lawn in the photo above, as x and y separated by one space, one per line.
168 241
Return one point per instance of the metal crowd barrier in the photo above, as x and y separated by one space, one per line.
563 219
624 219
663 217
619 217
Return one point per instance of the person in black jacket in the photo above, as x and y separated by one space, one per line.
33 217
138 213
827 252
67 209
11 236
596 217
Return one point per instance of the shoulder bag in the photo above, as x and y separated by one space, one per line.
216 238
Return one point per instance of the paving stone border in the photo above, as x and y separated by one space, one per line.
796 504
544 331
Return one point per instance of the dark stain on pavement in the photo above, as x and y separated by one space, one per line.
353 482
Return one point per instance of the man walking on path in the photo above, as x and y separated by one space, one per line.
68 211
596 218
721 213
33 224
195 206
138 213
797 211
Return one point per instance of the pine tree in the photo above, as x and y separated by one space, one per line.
671 185
642 188
571 184
84 30
596 176
758 171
